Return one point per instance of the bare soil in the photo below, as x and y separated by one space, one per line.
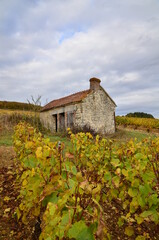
10 228
7 155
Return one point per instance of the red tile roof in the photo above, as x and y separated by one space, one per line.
73 98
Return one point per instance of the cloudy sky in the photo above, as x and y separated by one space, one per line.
53 47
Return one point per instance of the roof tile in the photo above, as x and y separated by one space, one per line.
73 98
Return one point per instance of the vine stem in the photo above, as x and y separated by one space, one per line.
59 150
155 170
76 196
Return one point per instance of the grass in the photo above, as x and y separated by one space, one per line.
135 134
6 138
62 139
121 135
124 135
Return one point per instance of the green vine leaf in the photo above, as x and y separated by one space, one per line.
129 231
80 231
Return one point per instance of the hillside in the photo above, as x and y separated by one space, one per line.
17 106
138 123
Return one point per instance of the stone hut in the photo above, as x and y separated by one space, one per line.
91 109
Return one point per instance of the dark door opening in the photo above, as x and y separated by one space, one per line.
70 119
61 121
56 122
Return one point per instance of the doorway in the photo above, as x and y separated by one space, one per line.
55 122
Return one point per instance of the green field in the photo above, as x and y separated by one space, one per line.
6 139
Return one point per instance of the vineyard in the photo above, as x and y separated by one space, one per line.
10 118
69 192
148 123
17 106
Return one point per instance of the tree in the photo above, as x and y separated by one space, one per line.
35 104
140 115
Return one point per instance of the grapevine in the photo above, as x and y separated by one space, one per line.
138 122
68 194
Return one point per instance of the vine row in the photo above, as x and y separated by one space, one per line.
68 191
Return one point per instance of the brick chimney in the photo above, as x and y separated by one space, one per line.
94 83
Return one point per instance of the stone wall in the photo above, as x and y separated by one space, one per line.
48 121
96 112
48 117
